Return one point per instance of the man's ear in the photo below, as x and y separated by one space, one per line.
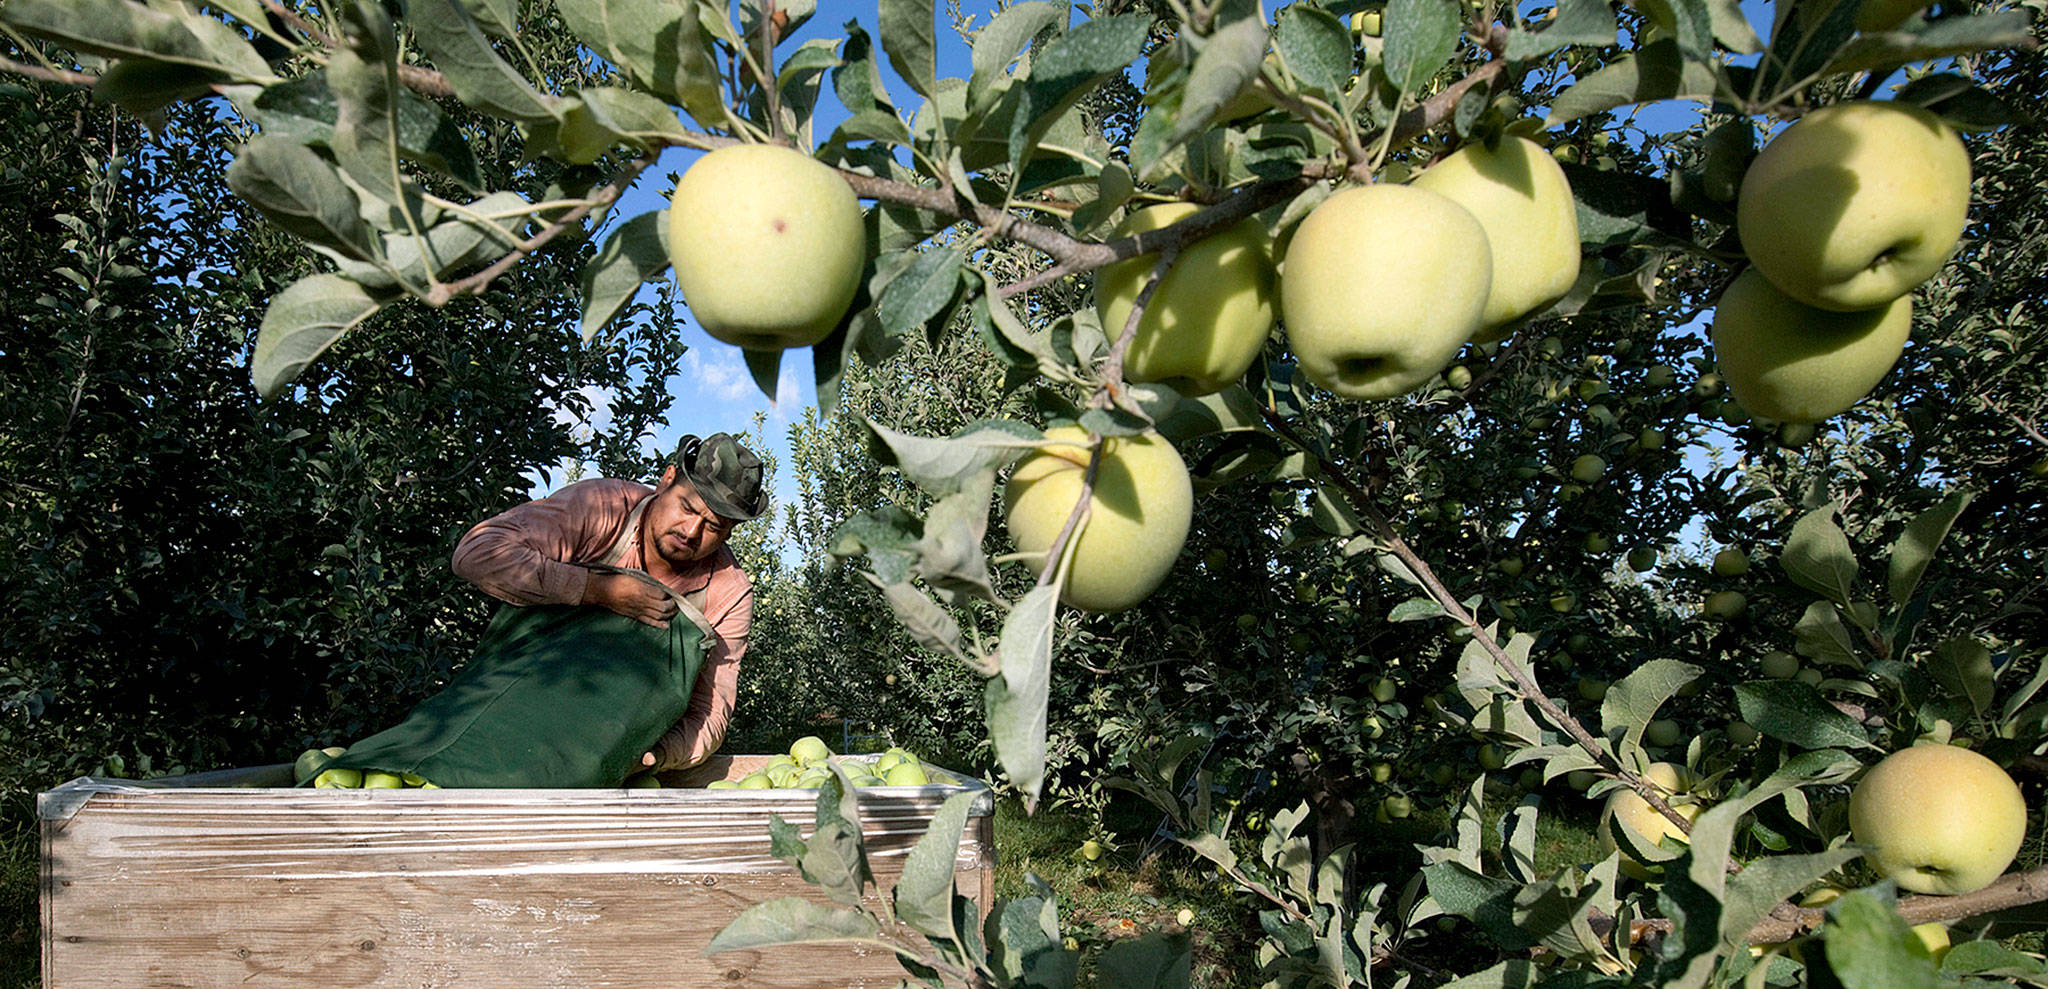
668 476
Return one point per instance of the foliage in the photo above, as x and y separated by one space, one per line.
1374 597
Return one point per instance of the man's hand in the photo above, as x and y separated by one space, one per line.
630 596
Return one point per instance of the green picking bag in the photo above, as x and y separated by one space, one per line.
555 696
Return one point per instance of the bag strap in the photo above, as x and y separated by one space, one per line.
691 605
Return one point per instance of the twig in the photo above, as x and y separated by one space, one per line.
1112 391
2025 426
476 283
65 76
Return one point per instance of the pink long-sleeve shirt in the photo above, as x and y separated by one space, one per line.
528 555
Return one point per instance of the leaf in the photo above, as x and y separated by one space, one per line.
1153 960
302 193
922 291
301 323
785 842
1633 700
1228 61
1962 666
1316 48
1573 22
1965 106
928 623
1654 72
1617 208
1867 945
452 39
1795 712
1016 698
304 109
119 29
447 246
1821 632
950 556
632 256
889 536
1817 556
364 78
1069 67
1767 881
1415 609
1915 547
658 44
941 466
924 893
644 120
908 40
1421 35
835 857
1731 27
792 920
1920 41
996 45
144 85
1511 974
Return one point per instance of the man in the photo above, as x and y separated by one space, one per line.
676 533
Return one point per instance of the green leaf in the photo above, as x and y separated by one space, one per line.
1767 881
658 44
942 466
1868 945
1823 636
785 842
1795 712
1070 67
144 85
889 536
1632 701
1817 556
301 323
1316 48
1966 107
447 246
1993 959
119 29
630 257
765 367
364 78
950 556
792 920
1153 960
1421 35
1731 27
1915 547
1920 41
1511 974
452 38
924 894
304 110
1228 61
302 193
1655 72
1016 698
1573 22
835 856
922 291
634 115
1962 666
1415 609
908 39
996 45
928 623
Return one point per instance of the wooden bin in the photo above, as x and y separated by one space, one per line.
233 878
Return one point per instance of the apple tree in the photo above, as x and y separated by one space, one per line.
1527 313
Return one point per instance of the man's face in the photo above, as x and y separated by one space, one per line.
679 526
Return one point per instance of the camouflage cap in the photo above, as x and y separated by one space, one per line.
724 473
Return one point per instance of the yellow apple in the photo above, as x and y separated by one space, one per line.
1938 819
1137 517
810 749
1381 286
1210 316
1794 363
376 780
1646 827
1520 196
767 245
906 774
1854 204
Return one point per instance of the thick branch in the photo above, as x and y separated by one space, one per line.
2016 889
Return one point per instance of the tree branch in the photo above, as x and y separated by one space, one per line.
64 76
476 283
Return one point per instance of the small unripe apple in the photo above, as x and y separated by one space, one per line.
1091 850
1384 689
1458 377
378 780
1642 558
1581 779
1398 805
1592 689
1662 732
1510 565
1707 385
768 246
338 779
1651 438
1372 726
1741 735
1138 514
1208 319
1725 604
1793 435
1731 562
1809 676
1366 23
1598 542
906 774
1939 819
1588 468
1660 376
1563 600
1490 757
1779 664
1382 772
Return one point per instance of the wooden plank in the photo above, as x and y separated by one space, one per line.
208 887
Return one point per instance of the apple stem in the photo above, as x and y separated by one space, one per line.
1385 532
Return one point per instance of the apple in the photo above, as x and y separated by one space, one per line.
722 785
1384 690
1490 758
1592 689
377 780
1660 376
1398 805
1581 779
1780 664
1510 565
1642 558
1382 772
1372 726
1588 468
1646 827
906 774
1855 204
1185 917
1563 600
1662 732
1798 364
1520 196
642 781
1598 542
1651 438
809 749
1707 385
768 246
1741 735
338 779
309 764
1793 435
1458 377
1731 562
1381 286
1366 23
755 781
1137 517
1725 604
1210 316
1938 819
1809 676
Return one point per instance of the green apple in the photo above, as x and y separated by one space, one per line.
1398 805
1381 286
1642 558
1519 194
1510 565
1707 385
1382 772
1651 438
1384 689
782 775
1855 204
642 781
1798 364
1563 600
1725 604
1779 664
1588 468
722 785
906 774
1662 732
1660 376
1793 435
1809 676
378 780
867 779
1490 758
1646 827
338 779
413 779
809 749
1091 850
1598 542
1459 377
1366 23
1592 689
755 781
768 246
1731 562
1938 819
1185 917
1137 517
1581 779
1741 735
1210 316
